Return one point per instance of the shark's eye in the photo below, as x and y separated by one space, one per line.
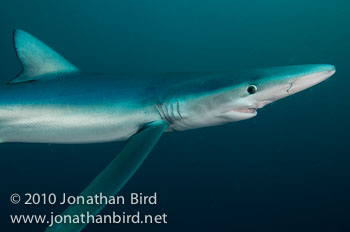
252 89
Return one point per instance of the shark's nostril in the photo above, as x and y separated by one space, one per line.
291 85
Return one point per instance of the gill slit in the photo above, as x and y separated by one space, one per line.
169 111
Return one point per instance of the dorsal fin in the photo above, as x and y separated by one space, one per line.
37 58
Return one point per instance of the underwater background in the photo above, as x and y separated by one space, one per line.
288 169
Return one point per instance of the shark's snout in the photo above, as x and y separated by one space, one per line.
281 82
313 76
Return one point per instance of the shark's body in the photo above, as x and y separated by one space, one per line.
52 101
85 108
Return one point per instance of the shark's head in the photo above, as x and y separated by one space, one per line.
272 84
239 98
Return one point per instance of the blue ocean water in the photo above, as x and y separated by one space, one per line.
285 170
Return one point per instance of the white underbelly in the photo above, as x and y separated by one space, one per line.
56 126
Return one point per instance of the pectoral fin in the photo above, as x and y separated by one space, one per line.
116 174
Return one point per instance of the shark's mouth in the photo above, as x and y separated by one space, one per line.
246 110
243 110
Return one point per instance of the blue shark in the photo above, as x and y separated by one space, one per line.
53 101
